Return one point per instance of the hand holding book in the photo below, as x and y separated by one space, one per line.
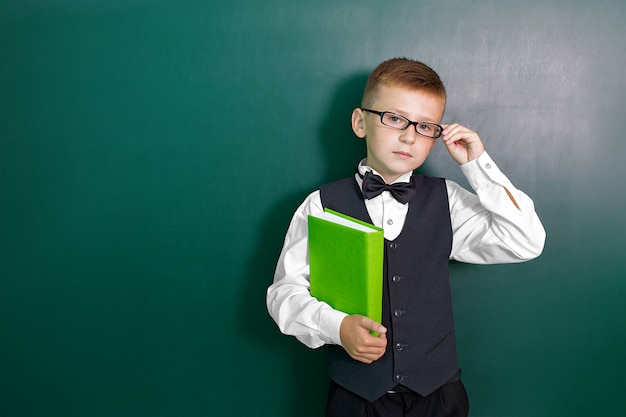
357 338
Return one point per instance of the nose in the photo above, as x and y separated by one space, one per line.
409 135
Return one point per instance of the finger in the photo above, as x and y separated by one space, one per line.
372 325
370 352
375 344
460 135
369 343
453 130
449 128
450 136
368 357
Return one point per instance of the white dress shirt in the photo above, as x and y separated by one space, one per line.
487 227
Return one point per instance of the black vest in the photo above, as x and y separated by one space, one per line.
417 305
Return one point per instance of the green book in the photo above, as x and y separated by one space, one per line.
346 263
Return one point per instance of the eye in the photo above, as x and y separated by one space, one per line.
394 120
425 127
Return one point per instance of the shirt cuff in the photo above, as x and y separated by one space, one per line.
483 171
330 324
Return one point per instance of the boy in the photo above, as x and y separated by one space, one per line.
411 368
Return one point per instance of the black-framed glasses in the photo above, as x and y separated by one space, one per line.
396 121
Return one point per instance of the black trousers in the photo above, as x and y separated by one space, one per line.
448 401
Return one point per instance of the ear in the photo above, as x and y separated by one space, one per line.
358 123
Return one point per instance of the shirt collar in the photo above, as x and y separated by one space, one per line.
362 168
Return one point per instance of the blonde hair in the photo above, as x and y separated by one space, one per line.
404 72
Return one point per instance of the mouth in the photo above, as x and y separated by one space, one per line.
403 155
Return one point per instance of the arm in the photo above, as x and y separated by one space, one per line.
289 301
297 313
498 224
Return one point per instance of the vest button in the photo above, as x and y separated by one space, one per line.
400 378
398 313
401 346
396 278
393 246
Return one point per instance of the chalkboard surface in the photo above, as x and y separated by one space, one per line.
152 153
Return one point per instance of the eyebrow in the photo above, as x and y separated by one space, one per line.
403 114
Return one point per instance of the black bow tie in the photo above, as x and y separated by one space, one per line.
373 186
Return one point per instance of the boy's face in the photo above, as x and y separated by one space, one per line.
393 152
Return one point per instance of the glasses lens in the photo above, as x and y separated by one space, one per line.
394 120
428 129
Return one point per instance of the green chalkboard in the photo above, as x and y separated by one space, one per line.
152 153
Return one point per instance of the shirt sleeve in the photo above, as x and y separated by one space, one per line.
289 301
498 224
